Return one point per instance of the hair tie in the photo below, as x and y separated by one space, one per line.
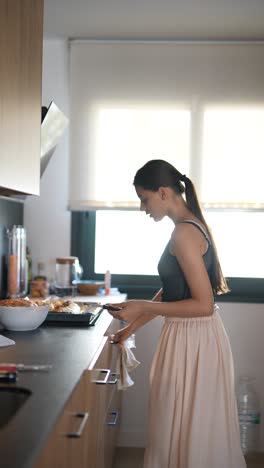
183 178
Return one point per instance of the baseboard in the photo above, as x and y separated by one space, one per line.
131 439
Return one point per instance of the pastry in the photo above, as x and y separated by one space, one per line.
17 302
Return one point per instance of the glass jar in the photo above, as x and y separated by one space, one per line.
68 272
16 262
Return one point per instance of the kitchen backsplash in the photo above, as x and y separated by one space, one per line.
10 213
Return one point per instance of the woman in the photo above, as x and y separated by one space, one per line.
193 420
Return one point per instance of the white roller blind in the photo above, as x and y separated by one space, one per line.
135 101
234 153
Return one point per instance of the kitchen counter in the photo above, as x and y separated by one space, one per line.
70 351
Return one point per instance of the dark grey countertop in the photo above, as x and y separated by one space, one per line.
70 351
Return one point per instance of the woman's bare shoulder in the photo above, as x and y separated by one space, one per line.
185 235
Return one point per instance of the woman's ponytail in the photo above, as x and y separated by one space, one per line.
192 198
218 280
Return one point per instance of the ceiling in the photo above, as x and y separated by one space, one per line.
155 19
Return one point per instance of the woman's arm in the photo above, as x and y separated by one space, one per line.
139 322
143 319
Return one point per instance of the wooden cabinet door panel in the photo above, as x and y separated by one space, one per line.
67 444
21 43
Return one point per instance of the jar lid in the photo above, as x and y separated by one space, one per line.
65 260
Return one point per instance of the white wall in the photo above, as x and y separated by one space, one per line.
46 217
244 324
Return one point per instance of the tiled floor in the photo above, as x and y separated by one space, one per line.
128 457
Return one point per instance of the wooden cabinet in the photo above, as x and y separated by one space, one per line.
21 39
109 398
86 432
66 446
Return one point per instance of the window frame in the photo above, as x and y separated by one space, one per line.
83 224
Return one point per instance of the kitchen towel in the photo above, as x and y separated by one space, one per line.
6 341
126 362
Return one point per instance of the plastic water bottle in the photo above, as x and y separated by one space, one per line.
249 415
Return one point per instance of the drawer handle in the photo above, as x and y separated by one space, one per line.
84 417
114 381
114 422
107 373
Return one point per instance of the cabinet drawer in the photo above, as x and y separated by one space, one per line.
104 374
66 446
111 428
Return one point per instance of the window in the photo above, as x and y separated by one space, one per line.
233 154
238 237
130 136
130 244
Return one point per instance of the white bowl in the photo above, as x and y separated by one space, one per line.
23 318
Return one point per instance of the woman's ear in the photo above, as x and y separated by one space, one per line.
163 193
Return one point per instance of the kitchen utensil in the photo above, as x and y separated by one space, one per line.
109 307
12 367
8 376
86 318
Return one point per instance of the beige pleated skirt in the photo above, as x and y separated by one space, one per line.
193 420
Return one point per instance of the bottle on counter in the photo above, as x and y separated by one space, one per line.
249 415
16 262
107 281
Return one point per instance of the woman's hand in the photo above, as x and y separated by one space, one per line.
122 335
129 310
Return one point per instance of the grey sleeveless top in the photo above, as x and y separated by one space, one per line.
174 284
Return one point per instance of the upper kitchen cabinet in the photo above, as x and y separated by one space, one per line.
21 42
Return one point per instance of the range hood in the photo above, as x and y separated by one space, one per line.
54 122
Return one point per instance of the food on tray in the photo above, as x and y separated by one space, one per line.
65 306
71 307
41 302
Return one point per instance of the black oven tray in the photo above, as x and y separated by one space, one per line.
66 318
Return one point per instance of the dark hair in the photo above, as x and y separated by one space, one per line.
158 173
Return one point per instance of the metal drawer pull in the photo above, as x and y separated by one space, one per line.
84 417
103 371
114 422
114 381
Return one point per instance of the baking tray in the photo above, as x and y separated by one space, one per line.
87 318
